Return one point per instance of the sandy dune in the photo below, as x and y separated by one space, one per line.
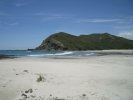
107 77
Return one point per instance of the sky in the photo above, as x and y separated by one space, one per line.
25 23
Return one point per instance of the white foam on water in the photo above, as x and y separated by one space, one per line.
28 51
89 54
60 54
56 54
36 55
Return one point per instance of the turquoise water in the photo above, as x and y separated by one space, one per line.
26 53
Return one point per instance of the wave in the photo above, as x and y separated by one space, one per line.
60 54
28 51
89 54
36 55
56 54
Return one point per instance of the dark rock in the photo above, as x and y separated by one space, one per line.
29 91
24 95
25 71
6 56
83 95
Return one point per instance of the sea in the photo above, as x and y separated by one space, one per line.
47 54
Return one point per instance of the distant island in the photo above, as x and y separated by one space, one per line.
97 41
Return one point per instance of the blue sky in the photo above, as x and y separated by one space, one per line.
25 23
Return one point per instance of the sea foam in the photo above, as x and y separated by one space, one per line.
54 54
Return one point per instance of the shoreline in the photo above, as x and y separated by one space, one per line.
104 77
95 53
6 56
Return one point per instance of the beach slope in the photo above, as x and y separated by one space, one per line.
108 77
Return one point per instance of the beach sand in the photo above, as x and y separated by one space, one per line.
108 77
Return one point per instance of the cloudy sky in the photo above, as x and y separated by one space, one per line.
25 23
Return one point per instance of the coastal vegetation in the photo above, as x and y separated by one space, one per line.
40 78
96 41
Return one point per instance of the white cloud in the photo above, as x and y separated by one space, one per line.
120 20
20 4
128 35
126 27
96 20
52 16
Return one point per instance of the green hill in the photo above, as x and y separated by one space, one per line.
65 41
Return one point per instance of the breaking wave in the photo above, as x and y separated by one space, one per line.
55 54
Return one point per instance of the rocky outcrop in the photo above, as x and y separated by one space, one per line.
51 44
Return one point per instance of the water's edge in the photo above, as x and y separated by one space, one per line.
61 54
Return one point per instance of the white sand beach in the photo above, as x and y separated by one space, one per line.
108 77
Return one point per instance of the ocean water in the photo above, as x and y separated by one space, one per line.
47 54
